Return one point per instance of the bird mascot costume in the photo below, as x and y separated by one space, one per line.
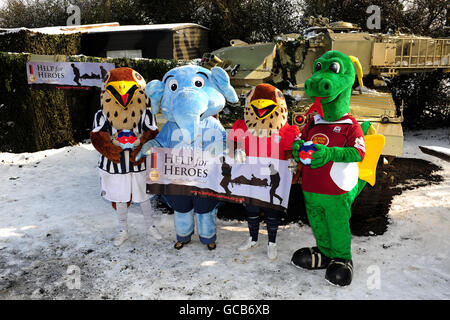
330 183
121 127
189 97
264 132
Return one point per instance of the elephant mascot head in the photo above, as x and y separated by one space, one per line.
189 94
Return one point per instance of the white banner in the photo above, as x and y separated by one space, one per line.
263 182
77 74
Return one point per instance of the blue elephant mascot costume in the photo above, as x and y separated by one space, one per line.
189 97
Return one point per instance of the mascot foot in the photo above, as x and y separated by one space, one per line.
248 244
121 238
180 244
272 251
154 233
211 246
340 272
310 258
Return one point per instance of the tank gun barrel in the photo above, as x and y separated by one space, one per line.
210 60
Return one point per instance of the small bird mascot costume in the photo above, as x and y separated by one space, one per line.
264 132
120 128
189 97
330 184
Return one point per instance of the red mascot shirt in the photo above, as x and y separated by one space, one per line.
270 147
333 178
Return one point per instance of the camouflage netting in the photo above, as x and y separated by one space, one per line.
34 120
29 120
40 43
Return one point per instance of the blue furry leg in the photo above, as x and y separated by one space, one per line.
184 225
206 226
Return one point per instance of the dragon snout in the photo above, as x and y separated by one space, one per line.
319 87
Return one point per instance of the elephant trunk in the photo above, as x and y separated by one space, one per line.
187 107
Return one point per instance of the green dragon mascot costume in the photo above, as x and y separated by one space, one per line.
330 184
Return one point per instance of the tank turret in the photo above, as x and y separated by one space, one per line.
288 60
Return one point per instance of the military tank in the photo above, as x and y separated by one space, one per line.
288 61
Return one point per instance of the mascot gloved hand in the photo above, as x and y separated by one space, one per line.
296 149
336 154
264 132
145 149
120 128
189 97
330 184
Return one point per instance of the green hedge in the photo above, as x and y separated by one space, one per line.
30 120
40 43
34 120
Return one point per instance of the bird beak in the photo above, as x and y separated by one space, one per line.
122 91
263 107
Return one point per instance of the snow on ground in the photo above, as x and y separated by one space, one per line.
52 218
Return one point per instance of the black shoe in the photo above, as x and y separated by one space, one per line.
340 272
180 244
211 246
310 258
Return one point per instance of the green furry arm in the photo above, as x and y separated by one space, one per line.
335 154
296 149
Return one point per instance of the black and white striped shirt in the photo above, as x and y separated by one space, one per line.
147 122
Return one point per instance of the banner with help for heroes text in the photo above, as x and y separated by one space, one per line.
263 182
73 74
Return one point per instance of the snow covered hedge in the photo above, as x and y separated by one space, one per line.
34 120
30 120
40 43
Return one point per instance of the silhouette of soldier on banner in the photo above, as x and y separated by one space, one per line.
274 183
226 173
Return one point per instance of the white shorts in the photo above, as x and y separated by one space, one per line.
124 187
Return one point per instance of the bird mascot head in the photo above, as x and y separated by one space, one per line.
265 110
123 99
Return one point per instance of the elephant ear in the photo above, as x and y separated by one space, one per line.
222 82
154 91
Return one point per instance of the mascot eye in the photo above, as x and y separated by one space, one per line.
137 76
173 85
198 82
318 66
335 67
